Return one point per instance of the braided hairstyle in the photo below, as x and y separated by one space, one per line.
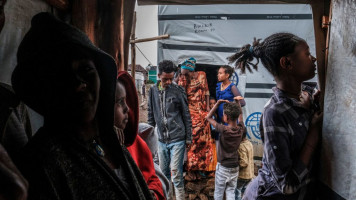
228 70
269 51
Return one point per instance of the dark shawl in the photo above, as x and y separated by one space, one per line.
58 167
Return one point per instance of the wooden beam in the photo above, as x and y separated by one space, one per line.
133 48
328 39
204 2
320 8
128 9
62 5
133 41
84 16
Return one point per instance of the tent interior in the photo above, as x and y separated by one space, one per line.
109 25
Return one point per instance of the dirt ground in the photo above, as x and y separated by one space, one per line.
142 109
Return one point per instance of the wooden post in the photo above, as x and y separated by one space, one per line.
150 39
133 49
318 7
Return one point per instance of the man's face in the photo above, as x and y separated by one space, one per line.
166 78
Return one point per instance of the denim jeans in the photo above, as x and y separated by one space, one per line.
225 182
171 163
241 187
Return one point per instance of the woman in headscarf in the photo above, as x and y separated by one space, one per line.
201 153
76 154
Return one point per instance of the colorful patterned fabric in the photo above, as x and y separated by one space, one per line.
202 151
189 64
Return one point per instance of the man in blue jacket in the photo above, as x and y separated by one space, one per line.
168 109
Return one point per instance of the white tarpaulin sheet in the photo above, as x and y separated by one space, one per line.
18 15
210 33
338 161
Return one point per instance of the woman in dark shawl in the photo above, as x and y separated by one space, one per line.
76 154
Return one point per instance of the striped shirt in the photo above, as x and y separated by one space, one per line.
284 126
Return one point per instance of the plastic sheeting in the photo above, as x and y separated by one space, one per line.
197 2
210 33
338 162
18 15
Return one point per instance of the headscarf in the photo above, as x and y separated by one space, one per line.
131 129
189 64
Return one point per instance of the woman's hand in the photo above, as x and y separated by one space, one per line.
238 98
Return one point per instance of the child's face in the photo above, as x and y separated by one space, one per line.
303 63
121 114
212 102
222 75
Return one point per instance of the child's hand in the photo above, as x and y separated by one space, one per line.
316 95
317 100
222 101
238 98
305 100
317 119
315 129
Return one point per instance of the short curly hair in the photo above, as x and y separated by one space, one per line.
166 66
232 110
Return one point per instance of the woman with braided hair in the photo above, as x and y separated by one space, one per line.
290 125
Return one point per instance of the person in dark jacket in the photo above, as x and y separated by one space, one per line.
15 126
168 109
76 154
12 184
15 130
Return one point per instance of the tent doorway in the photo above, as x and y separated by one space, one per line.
211 75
